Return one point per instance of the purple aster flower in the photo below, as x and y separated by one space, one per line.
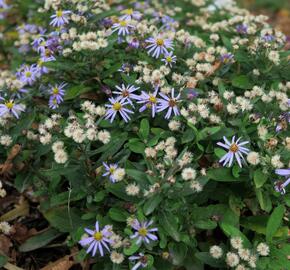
168 23
158 45
122 27
284 121
227 58
56 95
169 58
191 94
235 149
149 100
125 68
169 103
10 107
3 4
28 75
134 43
141 259
117 106
130 14
97 239
60 18
126 93
110 169
242 28
280 185
17 92
143 232
268 37
57 91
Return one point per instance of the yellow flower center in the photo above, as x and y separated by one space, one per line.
234 148
59 13
98 236
160 42
142 232
28 74
128 11
152 99
123 23
117 106
40 62
172 103
168 59
9 104
55 90
112 170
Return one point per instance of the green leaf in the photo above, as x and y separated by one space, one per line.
3 260
64 219
144 128
274 222
258 224
209 260
75 91
39 240
178 252
260 178
151 204
264 200
187 136
205 224
169 223
132 249
118 214
219 152
136 146
232 231
208 132
221 175
241 81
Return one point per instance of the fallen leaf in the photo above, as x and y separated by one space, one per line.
64 263
5 244
20 210
10 266
7 166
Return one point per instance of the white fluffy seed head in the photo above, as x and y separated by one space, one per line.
216 252
263 249
253 158
232 259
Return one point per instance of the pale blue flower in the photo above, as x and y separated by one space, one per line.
143 232
97 240
158 45
236 150
169 103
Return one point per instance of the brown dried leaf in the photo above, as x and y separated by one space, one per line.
20 232
10 266
7 166
64 263
5 244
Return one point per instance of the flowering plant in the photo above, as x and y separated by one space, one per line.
154 134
